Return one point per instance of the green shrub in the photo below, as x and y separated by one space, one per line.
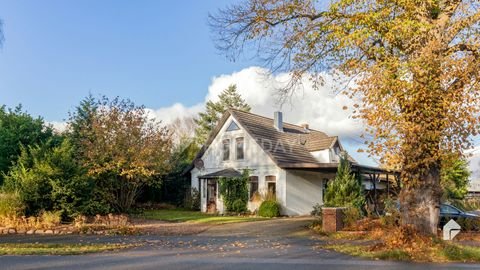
469 224
269 208
11 205
391 215
51 218
351 215
233 190
192 200
50 178
317 210
239 206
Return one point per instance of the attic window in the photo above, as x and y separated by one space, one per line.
233 126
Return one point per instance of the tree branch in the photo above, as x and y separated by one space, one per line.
463 48
458 26
312 17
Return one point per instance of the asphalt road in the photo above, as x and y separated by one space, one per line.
278 244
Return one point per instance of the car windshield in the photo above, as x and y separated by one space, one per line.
448 209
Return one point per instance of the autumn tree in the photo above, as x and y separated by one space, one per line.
125 150
207 120
414 64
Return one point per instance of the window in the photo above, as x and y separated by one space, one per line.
233 126
239 143
447 209
226 149
253 186
271 185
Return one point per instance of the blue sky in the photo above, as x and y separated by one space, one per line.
153 52
157 53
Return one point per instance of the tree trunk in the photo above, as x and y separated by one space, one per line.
420 201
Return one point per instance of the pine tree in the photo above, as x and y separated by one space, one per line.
80 122
345 190
207 120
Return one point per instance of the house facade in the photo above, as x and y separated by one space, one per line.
291 162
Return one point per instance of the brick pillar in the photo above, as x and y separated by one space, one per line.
332 219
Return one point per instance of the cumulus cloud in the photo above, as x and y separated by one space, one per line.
58 126
321 108
169 114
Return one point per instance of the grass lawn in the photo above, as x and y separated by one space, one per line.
57 249
178 215
445 253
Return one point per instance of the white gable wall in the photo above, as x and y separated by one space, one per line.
255 159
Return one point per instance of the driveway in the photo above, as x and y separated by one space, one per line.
273 244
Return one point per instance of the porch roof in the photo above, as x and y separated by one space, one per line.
229 172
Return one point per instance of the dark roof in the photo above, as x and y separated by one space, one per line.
288 149
292 146
229 172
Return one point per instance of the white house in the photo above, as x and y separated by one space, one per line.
292 162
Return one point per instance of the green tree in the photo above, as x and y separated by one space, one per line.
345 190
207 120
414 64
80 123
50 178
454 179
19 128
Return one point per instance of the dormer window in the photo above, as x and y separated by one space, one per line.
239 148
226 149
233 126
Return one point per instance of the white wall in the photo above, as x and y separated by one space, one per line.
303 191
255 159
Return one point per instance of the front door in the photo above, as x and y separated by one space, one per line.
211 196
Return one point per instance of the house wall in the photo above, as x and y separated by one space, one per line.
255 159
303 191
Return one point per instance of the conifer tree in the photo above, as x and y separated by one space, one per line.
207 120
345 190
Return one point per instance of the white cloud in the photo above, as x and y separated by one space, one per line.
58 126
320 108
169 114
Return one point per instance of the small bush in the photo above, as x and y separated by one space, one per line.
192 199
269 209
317 210
350 216
11 205
239 206
469 224
51 218
391 217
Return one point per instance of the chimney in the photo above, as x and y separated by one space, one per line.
305 126
278 121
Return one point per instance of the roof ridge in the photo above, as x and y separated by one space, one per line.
299 126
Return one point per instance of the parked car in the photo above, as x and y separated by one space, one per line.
448 212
